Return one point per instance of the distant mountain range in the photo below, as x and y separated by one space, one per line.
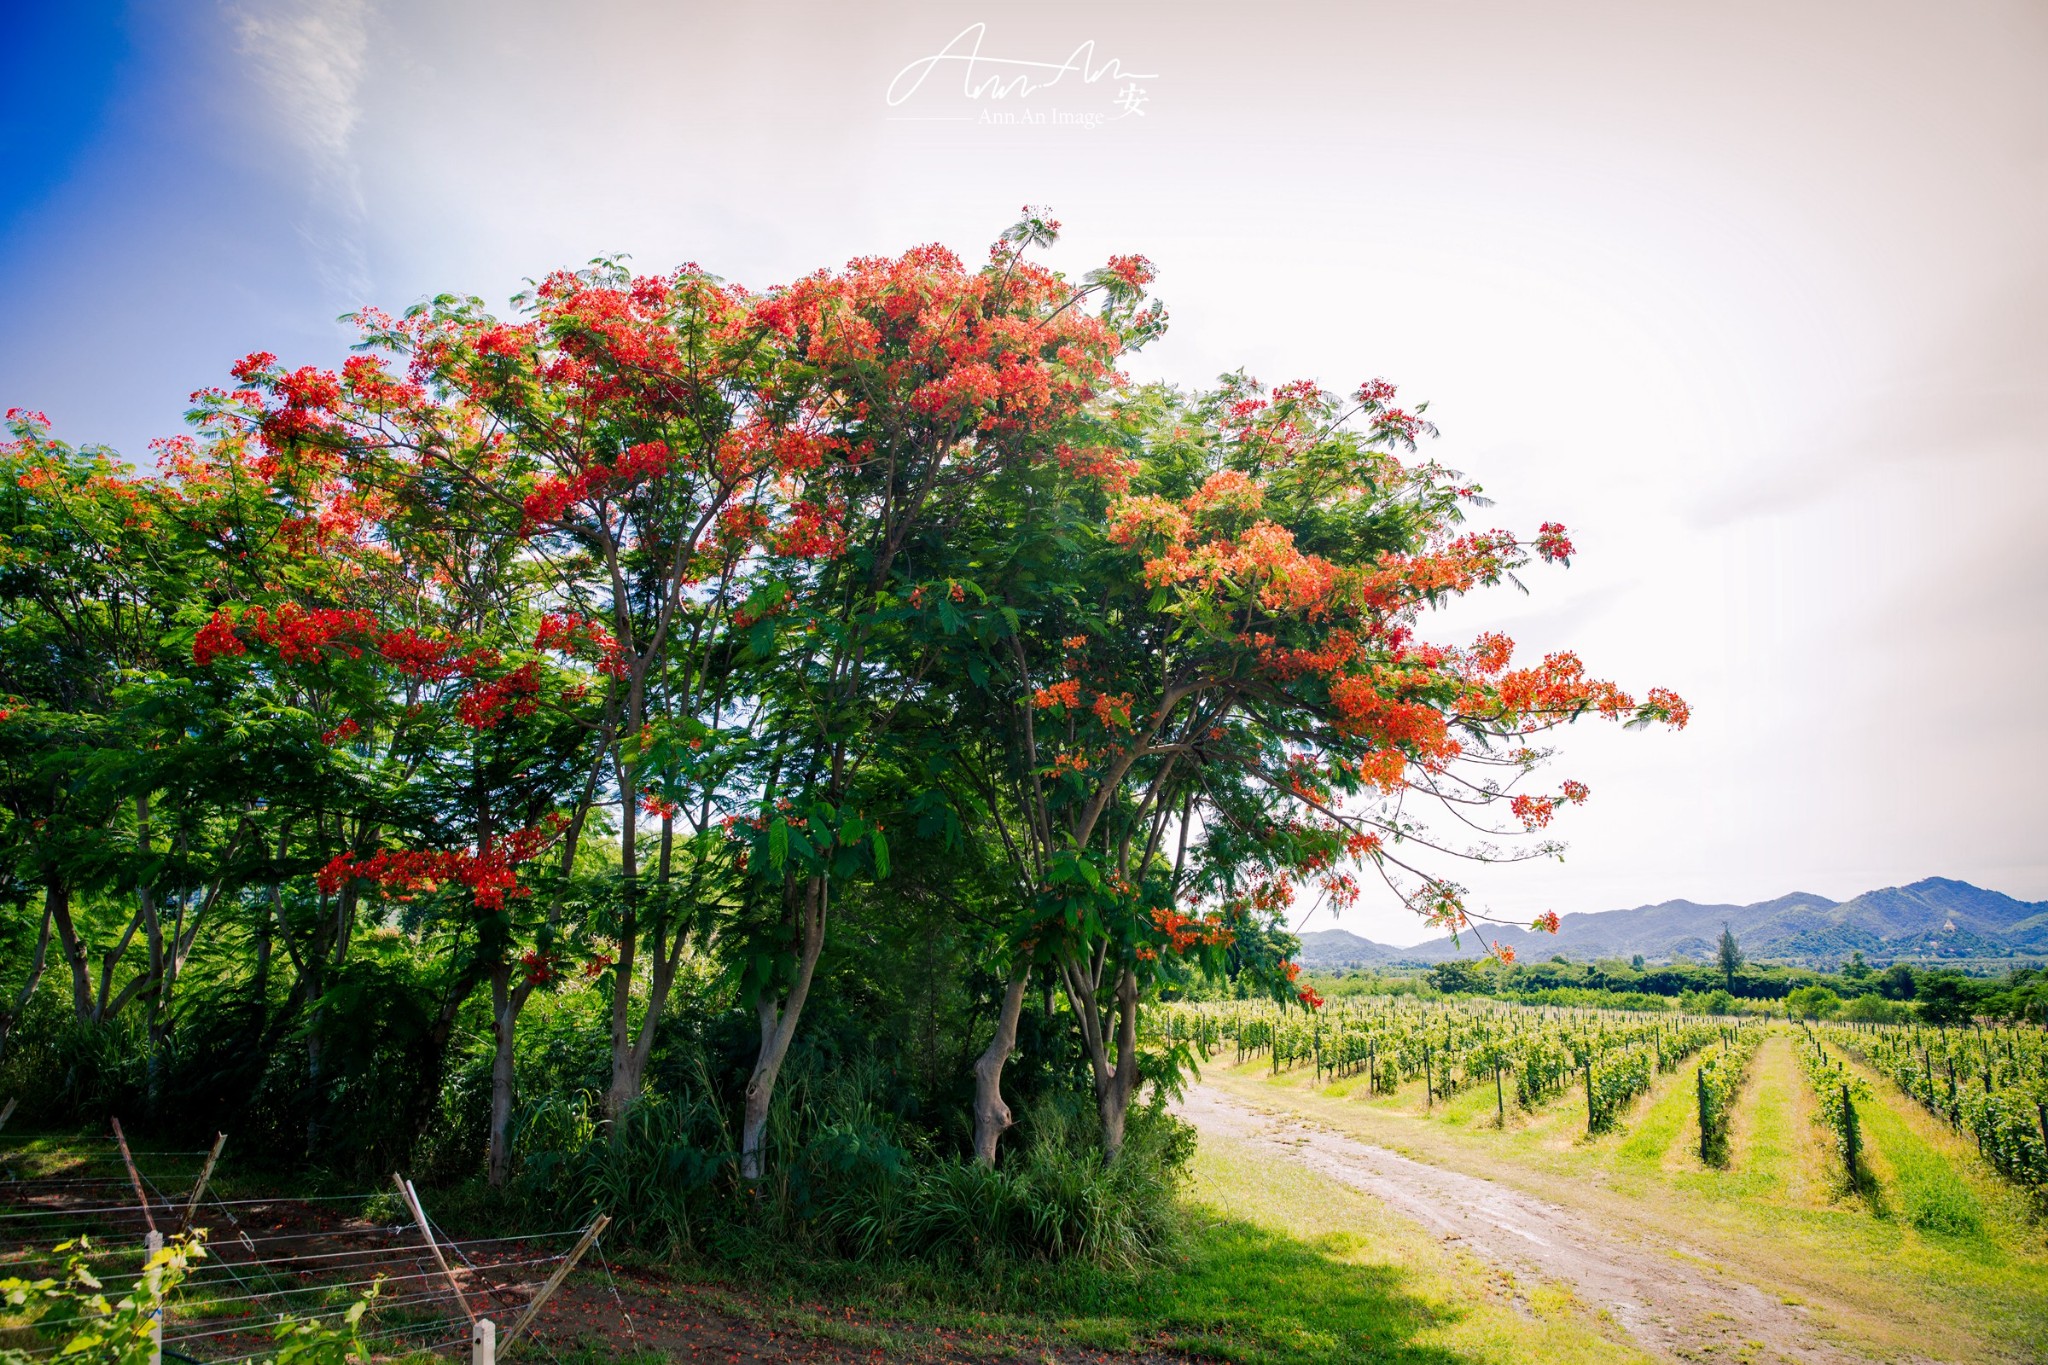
1934 919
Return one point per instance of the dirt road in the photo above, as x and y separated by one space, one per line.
1671 1300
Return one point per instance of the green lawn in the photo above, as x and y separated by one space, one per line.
1278 1266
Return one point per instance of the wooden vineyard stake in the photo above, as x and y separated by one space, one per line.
590 1234
134 1176
199 1186
419 1215
6 1113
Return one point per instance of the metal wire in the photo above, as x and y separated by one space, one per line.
320 1286
279 1264
76 1213
367 1337
399 1230
214 1203
247 1325
597 1245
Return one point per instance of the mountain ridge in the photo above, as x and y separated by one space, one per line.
1935 918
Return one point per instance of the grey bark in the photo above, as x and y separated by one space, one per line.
778 1026
992 1116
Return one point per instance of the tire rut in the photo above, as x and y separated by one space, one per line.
1673 1301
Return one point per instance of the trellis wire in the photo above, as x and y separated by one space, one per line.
294 1265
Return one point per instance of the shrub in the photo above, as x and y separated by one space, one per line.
848 1178
1812 1002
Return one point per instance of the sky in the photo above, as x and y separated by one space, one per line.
1751 296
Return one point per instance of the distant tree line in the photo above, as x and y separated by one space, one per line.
1937 995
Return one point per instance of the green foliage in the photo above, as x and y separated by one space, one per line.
1836 1090
1812 1002
1947 998
89 1320
852 1179
1717 1084
1872 1009
1990 1083
1729 954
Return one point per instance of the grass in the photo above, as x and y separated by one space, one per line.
1943 1263
1277 1266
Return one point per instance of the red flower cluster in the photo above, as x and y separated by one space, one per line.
216 638
302 636
1135 271
489 875
419 656
516 692
812 532
653 803
581 636
1064 693
1552 543
1185 932
1100 463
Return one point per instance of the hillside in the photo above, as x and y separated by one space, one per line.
1935 919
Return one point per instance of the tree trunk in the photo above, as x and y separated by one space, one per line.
778 1027
1115 1082
625 1083
1115 1097
506 1002
57 904
992 1116
625 1086
28 989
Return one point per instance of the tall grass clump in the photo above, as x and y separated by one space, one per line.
847 1177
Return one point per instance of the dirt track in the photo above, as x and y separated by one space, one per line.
1670 1299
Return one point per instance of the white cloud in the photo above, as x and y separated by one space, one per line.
310 58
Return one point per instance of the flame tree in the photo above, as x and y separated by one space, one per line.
644 620
1199 665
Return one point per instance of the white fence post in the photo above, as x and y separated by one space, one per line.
151 1246
483 1342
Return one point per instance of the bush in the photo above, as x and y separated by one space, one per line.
847 1178
1715 1001
1812 1002
1873 1009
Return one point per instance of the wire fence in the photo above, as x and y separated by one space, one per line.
266 1261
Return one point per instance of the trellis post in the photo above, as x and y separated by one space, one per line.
199 1186
483 1342
152 1247
590 1234
412 1203
134 1177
